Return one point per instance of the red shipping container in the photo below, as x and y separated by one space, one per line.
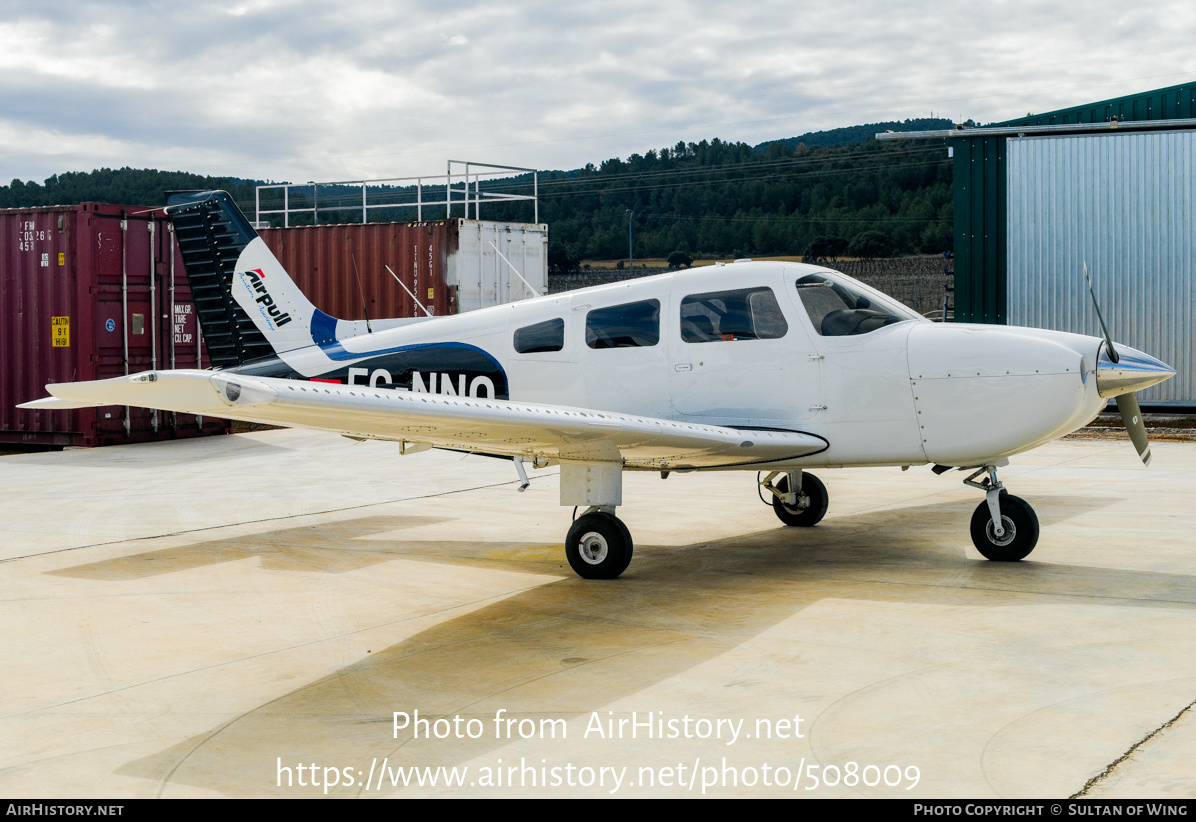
450 265
89 292
341 268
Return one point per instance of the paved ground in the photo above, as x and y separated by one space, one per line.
212 618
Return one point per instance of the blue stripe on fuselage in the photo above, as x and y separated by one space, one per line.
337 352
323 333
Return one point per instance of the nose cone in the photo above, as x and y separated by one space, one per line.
1133 371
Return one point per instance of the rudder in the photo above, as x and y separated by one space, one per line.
248 306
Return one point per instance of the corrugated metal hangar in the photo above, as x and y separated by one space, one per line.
1111 185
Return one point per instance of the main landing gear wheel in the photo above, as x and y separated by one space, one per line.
598 546
1021 530
811 514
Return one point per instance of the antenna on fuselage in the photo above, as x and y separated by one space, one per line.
414 298
365 309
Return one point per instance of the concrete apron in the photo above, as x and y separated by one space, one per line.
244 616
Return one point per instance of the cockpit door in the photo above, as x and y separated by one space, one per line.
741 355
862 336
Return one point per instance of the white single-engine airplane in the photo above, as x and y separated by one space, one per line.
767 367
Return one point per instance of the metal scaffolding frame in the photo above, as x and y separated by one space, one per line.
466 186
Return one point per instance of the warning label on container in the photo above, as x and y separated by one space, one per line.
182 313
60 334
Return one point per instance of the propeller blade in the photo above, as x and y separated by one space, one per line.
1131 416
1108 340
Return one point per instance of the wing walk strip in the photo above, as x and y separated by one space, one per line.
504 427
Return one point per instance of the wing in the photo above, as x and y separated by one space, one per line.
528 430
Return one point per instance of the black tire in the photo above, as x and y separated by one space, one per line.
598 546
1021 530
812 514
630 544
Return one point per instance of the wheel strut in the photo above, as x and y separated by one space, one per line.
1004 527
791 494
992 488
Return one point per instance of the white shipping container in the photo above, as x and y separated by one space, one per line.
496 263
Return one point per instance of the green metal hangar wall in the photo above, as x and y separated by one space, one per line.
1111 184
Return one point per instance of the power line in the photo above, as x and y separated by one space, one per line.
763 218
725 176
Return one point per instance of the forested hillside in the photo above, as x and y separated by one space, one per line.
724 199
124 186
837 197
859 134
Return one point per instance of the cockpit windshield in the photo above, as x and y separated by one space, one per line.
837 309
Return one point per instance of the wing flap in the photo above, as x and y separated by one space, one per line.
467 423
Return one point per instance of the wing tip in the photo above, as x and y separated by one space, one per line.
55 404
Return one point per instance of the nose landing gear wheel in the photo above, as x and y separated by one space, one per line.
598 546
1021 530
813 513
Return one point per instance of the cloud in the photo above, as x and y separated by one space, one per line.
302 90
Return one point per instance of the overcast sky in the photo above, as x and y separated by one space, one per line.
297 91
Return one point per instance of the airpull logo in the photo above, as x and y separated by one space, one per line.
254 280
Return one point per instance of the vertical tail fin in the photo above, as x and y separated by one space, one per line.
248 306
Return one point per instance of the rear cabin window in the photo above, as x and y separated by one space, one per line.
631 325
546 336
836 311
723 316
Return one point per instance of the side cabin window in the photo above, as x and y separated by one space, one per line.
723 316
631 325
837 311
540 337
